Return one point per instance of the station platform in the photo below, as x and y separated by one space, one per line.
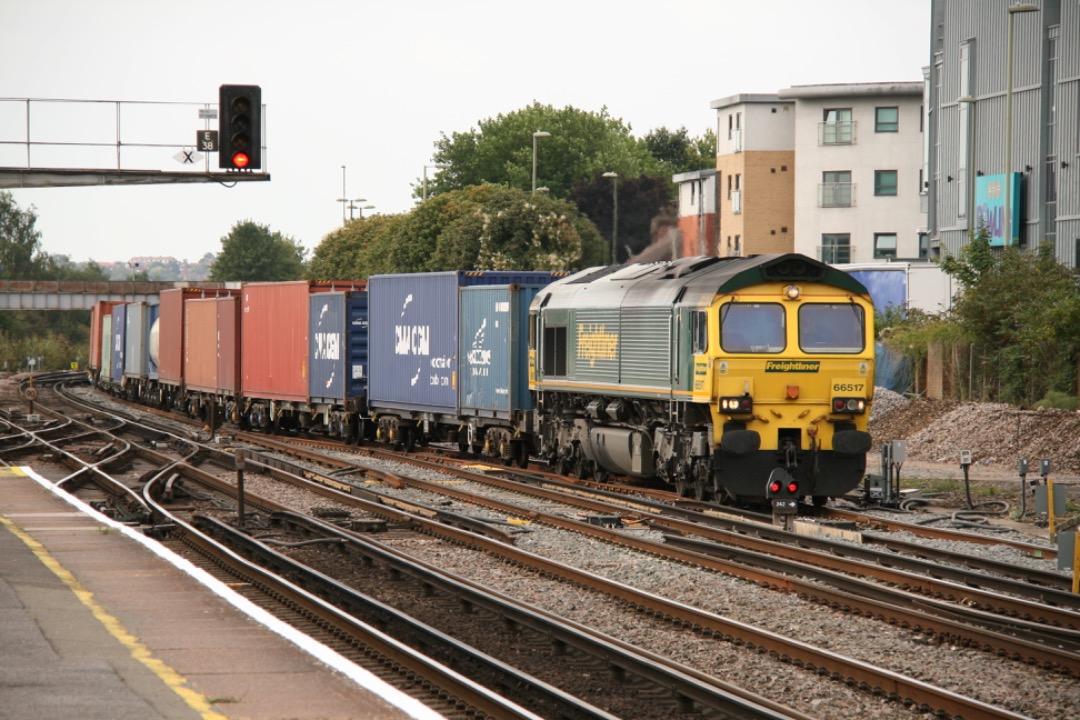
99 622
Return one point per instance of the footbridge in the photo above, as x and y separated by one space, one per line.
80 295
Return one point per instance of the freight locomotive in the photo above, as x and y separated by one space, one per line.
728 378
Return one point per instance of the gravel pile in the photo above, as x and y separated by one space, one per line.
998 435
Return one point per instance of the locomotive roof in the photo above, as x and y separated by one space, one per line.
694 280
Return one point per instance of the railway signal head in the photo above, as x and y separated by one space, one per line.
240 127
782 489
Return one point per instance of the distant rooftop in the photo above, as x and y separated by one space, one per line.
805 92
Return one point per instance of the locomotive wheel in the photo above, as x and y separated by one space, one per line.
682 487
522 455
562 466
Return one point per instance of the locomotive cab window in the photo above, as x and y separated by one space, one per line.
752 328
831 328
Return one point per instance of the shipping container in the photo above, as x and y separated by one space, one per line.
116 340
171 329
493 351
275 334
100 314
105 371
139 319
211 340
413 323
338 353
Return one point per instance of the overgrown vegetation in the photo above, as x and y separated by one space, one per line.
1018 314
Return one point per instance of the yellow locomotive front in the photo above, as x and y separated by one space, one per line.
791 375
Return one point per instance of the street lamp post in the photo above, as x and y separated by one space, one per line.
344 200
1013 10
614 212
536 136
441 166
354 206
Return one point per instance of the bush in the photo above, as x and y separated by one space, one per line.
1057 400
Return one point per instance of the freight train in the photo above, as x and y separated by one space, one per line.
732 379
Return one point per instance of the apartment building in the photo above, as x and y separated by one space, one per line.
859 184
697 213
1003 128
755 174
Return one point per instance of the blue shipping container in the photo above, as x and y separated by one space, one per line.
337 353
118 331
493 351
413 335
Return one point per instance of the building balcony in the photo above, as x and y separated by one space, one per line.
836 133
836 195
835 254
736 141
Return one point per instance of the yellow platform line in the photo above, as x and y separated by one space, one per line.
174 680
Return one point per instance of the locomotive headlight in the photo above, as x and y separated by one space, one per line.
849 406
737 405
792 292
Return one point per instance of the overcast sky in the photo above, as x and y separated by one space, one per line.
372 85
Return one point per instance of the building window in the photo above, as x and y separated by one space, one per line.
836 189
837 127
835 248
924 246
885 182
885 245
887 119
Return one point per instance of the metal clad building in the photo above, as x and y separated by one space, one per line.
968 121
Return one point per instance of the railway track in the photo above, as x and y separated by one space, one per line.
337 474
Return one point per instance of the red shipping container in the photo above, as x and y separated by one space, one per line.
171 329
274 320
274 336
211 341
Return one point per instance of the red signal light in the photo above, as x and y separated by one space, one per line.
793 487
241 160
774 486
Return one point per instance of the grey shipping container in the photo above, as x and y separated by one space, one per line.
139 319
413 322
493 351
338 347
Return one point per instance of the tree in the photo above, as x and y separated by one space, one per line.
500 151
251 252
21 256
640 200
679 152
349 253
485 227
1023 311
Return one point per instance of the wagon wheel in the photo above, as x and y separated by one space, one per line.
701 493
601 475
583 469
